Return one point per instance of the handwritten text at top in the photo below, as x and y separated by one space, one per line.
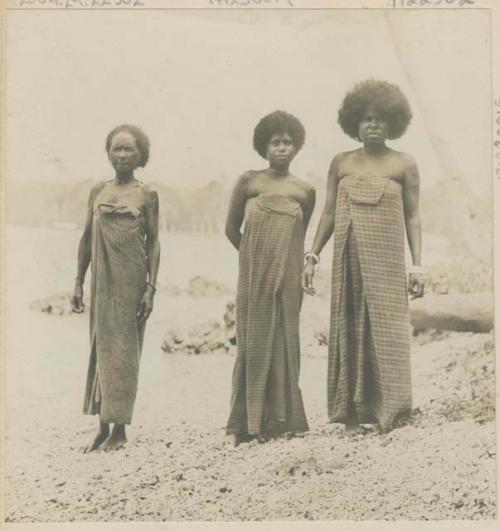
251 3
429 3
81 4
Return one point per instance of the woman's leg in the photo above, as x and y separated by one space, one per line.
352 425
241 438
100 437
116 439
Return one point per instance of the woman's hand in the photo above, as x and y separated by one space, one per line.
77 300
307 279
416 285
146 304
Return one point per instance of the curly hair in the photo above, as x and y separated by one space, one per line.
278 122
141 140
382 97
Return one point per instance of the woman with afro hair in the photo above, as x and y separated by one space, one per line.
120 241
372 197
275 207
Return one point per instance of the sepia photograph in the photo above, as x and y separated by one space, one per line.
249 264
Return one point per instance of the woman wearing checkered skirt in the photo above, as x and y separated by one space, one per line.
275 207
120 242
372 197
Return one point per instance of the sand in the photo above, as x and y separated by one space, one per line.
179 465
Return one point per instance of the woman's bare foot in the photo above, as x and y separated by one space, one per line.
101 436
352 426
116 440
241 438
353 429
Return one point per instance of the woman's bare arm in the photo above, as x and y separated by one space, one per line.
325 227
411 196
152 215
327 221
84 247
309 206
236 211
84 252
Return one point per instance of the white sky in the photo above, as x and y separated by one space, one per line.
199 82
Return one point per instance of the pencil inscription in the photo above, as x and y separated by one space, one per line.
497 137
248 3
429 3
79 4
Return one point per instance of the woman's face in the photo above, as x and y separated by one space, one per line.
373 129
123 153
280 149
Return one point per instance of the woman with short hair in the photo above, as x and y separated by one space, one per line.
120 240
372 196
275 207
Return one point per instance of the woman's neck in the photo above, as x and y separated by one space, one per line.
278 171
122 179
375 149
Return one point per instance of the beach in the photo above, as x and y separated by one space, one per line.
178 464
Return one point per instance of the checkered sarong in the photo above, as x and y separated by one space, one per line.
369 349
266 395
119 274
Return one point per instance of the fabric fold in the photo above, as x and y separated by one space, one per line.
119 274
266 396
369 351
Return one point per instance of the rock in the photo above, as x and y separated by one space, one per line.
206 337
57 304
203 287
171 289
471 312
210 336
301 466
230 323
197 287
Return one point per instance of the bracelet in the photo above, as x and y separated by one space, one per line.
314 256
416 269
152 286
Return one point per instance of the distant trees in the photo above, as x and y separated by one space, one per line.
181 210
203 209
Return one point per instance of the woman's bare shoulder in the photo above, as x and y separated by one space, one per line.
246 178
344 155
99 185
96 188
307 187
405 159
251 174
150 192
150 196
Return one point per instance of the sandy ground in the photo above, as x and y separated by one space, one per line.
179 465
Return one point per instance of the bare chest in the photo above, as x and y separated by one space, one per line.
286 187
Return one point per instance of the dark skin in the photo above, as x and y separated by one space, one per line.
378 159
125 158
275 179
